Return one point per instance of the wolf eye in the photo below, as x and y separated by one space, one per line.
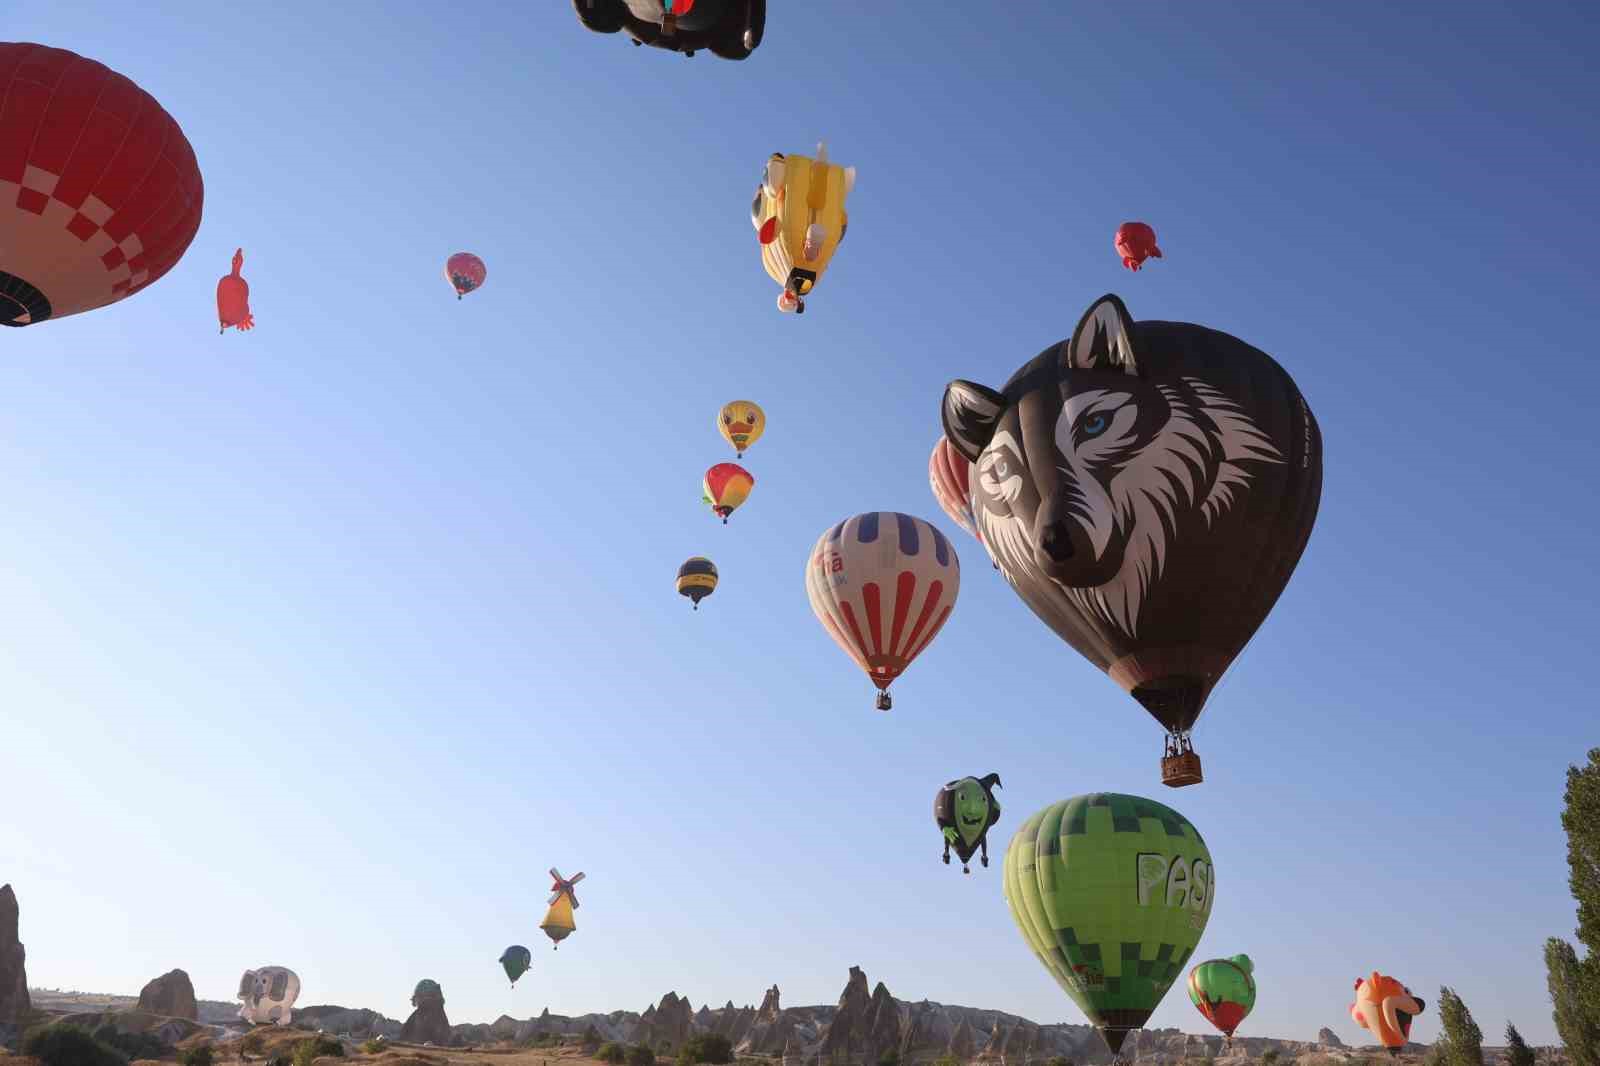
1095 424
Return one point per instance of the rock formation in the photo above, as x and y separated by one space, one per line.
14 1004
357 1024
171 994
666 1025
963 1044
428 1023
1328 1038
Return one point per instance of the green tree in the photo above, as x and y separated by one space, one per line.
197 1056
1459 1034
612 1052
1581 820
641 1055
890 1057
706 1047
70 1045
1578 1024
1269 1056
1518 1053
308 1051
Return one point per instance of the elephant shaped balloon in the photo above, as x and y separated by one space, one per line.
267 994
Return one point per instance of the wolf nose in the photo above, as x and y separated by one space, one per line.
1056 542
1421 1003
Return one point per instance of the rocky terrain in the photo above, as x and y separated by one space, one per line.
866 1026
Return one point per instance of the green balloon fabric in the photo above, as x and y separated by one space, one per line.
516 959
1112 893
1224 990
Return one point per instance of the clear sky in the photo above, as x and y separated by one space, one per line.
321 643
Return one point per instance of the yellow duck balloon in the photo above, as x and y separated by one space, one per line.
741 424
800 219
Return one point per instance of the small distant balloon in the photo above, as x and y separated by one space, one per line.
516 959
1385 1007
741 424
1136 242
1224 991
965 810
697 579
233 298
726 486
558 922
465 272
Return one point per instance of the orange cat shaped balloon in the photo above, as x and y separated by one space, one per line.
1385 1007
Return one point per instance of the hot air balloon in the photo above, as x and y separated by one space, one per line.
1151 505
882 585
730 29
697 579
516 959
741 424
102 191
1384 1007
949 475
1224 990
1136 242
1112 893
267 995
558 923
965 809
726 486
799 216
233 298
465 272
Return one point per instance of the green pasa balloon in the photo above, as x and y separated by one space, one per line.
1112 893
516 959
1224 990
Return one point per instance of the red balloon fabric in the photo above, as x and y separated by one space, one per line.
465 272
100 194
233 298
1136 242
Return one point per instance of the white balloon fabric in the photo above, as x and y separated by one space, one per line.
267 994
882 584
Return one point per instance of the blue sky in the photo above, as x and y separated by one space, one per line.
323 642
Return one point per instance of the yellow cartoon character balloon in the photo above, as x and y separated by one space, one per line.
741 424
800 219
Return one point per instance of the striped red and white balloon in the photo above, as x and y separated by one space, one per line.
882 584
949 473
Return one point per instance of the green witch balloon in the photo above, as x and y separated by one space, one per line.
1112 893
516 959
1224 990
964 811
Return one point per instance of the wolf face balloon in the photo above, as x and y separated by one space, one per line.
1147 489
965 810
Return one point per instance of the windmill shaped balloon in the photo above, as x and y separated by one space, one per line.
558 923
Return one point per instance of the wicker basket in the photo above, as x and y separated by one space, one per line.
1180 770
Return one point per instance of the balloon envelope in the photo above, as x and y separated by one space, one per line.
697 579
741 423
465 272
103 191
1147 489
1136 242
516 959
965 810
799 217
1112 893
882 584
233 297
1224 991
948 474
725 487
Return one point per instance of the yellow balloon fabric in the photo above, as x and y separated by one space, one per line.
804 198
741 423
558 923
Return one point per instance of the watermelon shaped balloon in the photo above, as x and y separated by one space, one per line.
1112 893
1224 991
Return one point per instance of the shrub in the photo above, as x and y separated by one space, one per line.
612 1052
70 1045
252 1044
197 1056
890 1057
1060 1060
280 1060
372 1047
308 1051
1269 1056
641 1055
133 1045
711 1048
591 1038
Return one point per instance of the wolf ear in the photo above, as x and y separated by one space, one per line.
1103 339
970 413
